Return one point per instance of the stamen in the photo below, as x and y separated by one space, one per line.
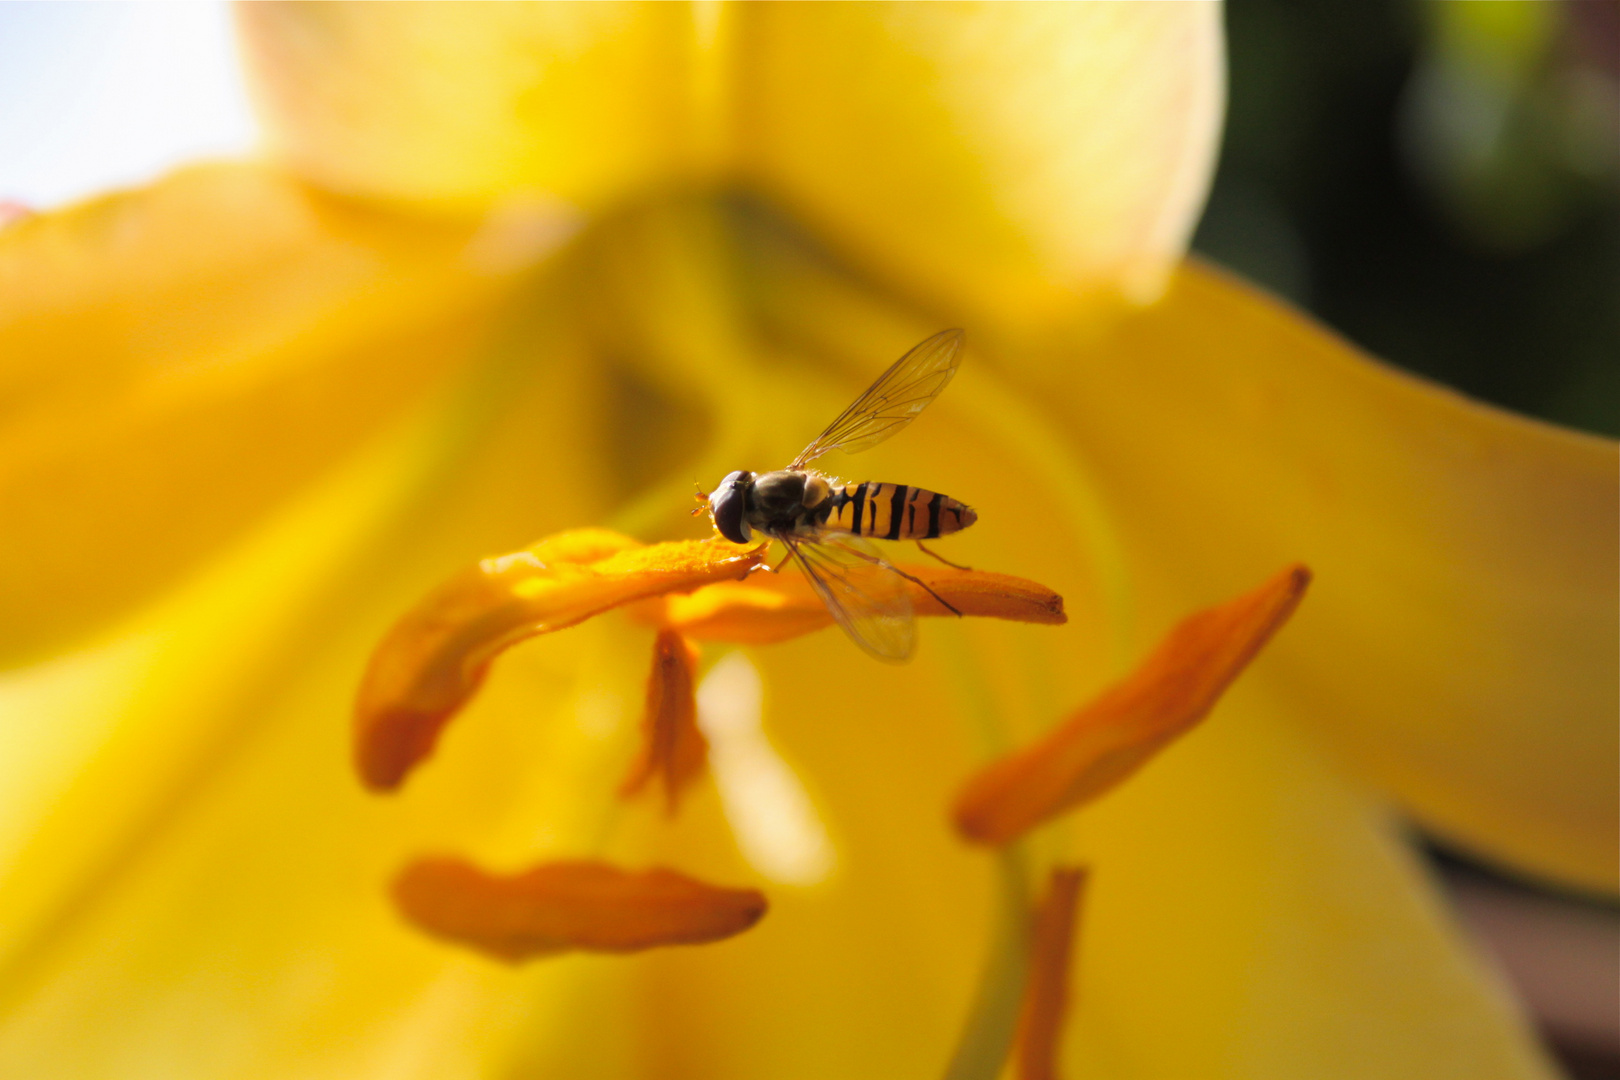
1117 733
673 749
1046 994
562 906
431 662
764 610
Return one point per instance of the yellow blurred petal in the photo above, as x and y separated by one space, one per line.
1460 645
246 907
207 863
177 360
1243 897
1006 161
435 657
114 752
1018 161
462 105
240 902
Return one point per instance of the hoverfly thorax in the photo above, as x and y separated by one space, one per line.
779 496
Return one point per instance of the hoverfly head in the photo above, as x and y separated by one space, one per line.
728 502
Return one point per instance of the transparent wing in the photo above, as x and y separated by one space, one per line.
893 401
867 598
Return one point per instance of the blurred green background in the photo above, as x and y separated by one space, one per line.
1440 182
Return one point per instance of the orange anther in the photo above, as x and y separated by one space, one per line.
562 906
431 662
1117 733
673 749
766 609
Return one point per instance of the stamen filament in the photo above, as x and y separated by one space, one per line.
1046 995
989 1034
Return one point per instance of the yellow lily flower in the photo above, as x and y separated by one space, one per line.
254 415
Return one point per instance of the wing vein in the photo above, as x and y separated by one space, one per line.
897 397
866 597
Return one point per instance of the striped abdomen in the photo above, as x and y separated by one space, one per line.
892 512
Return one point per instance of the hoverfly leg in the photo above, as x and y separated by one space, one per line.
762 568
952 608
936 555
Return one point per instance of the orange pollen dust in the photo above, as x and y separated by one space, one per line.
1114 735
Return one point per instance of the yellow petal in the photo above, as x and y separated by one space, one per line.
461 106
1008 162
178 360
1242 889
1020 162
435 657
1109 738
556 907
243 905
209 841
1461 643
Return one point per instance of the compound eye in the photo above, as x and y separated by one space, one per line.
728 503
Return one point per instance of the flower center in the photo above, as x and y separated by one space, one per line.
434 659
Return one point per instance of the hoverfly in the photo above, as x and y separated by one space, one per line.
824 522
